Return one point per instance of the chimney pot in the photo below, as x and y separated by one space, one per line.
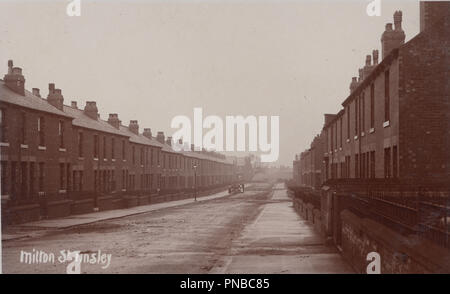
14 79
148 133
74 104
51 87
368 60
169 141
36 92
160 137
398 20
113 119
91 109
375 57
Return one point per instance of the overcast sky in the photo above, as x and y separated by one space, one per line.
153 60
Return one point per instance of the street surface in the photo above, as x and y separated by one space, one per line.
254 232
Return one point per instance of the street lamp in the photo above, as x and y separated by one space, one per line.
195 182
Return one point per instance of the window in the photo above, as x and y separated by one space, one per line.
68 173
61 176
348 122
2 125
133 154
41 177
41 128
104 146
386 96
61 134
387 162
23 126
356 166
340 131
113 144
363 112
32 179
141 157
123 149
24 179
356 117
95 146
372 164
80 144
80 187
394 162
4 187
372 106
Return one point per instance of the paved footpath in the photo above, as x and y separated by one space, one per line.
278 241
37 228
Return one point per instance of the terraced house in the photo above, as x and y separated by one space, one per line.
395 121
58 159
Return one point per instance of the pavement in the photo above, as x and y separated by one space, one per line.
278 241
37 228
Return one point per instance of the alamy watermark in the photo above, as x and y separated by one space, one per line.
237 129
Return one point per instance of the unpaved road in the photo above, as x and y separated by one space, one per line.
253 232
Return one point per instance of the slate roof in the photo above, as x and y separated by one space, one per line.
84 121
28 101
139 139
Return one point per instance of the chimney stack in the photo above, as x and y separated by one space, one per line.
368 67
192 147
91 109
147 133
113 119
353 84
134 127
375 57
36 92
73 104
55 97
169 141
14 79
392 39
160 137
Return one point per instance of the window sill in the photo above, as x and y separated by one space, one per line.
348 140
113 160
62 191
363 134
386 124
372 130
4 144
105 159
95 158
355 138
80 158
62 149
41 193
42 148
124 190
5 197
23 146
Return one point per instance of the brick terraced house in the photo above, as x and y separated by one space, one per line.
58 160
396 121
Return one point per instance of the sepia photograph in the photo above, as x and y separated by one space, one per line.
230 142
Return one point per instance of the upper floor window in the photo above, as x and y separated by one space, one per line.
133 154
41 128
372 106
80 144
356 117
61 133
96 146
104 146
23 127
386 97
123 149
113 147
348 122
2 125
